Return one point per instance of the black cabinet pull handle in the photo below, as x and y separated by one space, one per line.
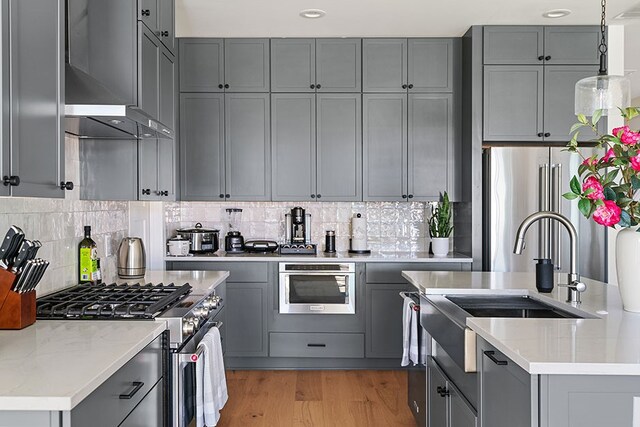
220 86
146 192
312 86
540 134
164 33
146 12
137 385
227 196
12 180
313 196
540 58
222 196
404 196
490 355
442 391
226 86
316 345
318 86
410 86
547 134
548 57
404 86
66 185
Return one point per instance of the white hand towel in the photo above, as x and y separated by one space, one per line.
413 338
211 391
406 331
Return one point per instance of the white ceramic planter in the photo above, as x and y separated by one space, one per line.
440 246
628 268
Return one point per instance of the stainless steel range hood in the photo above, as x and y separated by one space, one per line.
93 112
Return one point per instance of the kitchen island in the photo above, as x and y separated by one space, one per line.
542 371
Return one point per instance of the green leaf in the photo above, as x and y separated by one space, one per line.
609 194
609 177
575 127
625 219
585 207
596 117
575 185
582 169
635 182
623 202
588 191
631 112
583 119
570 196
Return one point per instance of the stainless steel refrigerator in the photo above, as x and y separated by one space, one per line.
521 180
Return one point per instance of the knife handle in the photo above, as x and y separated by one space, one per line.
23 255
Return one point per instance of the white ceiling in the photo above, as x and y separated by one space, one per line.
390 18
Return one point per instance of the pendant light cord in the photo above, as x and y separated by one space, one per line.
602 48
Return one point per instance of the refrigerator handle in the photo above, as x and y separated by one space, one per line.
556 206
543 205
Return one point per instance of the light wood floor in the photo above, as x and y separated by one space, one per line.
317 398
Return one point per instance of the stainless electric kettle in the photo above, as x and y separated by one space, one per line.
131 258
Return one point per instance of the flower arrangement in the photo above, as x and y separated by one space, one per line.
440 221
605 186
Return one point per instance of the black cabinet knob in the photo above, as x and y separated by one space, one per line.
548 57
220 86
146 192
540 134
12 180
410 196
226 86
164 192
66 185
221 196
313 196
318 86
404 86
312 86
547 134
404 196
146 12
318 196
442 391
164 33
540 58
410 86
227 196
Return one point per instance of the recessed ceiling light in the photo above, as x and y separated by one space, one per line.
556 13
312 13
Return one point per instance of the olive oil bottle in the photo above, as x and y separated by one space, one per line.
88 258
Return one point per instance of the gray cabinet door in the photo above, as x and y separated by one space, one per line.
37 97
246 65
167 89
202 146
513 103
513 45
384 136
293 65
460 413
339 147
293 146
430 65
247 147
246 327
384 320
149 13
148 169
430 145
167 169
166 24
5 88
148 67
339 65
384 65
571 45
201 65
559 88
149 412
436 401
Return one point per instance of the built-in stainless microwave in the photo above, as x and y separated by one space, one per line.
317 288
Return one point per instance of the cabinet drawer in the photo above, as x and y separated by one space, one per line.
149 412
145 368
392 272
316 345
239 272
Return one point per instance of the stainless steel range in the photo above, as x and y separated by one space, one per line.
188 317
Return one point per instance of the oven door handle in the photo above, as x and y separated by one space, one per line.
193 357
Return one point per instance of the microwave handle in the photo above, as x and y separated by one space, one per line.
193 357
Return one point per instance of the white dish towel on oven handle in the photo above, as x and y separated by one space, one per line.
211 382
410 352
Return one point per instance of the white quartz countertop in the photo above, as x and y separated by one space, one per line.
606 344
53 365
201 281
323 257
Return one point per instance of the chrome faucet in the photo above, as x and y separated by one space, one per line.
574 286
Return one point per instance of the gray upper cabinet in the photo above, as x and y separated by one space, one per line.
316 147
293 65
247 147
167 88
224 65
201 146
32 145
430 65
224 146
149 13
156 169
528 45
316 65
384 65
513 102
149 78
201 65
158 16
293 143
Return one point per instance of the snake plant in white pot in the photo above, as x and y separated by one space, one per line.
440 227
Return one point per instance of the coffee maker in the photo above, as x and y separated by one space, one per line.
298 233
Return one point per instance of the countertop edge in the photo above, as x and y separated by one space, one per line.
453 259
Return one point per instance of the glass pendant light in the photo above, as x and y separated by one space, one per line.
602 92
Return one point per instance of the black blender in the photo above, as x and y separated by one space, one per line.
233 241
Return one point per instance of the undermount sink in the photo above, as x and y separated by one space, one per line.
508 306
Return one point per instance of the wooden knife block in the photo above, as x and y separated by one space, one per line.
17 311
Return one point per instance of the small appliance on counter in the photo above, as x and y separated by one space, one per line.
358 240
178 246
132 262
298 234
202 240
260 246
330 242
233 241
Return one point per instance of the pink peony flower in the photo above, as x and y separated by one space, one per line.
618 132
593 183
610 154
590 161
635 163
630 138
607 214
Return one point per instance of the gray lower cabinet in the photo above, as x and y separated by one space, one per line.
148 413
384 319
315 344
460 412
32 87
316 147
224 65
156 169
246 327
447 407
409 146
222 138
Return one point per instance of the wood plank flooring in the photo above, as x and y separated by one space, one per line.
317 399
